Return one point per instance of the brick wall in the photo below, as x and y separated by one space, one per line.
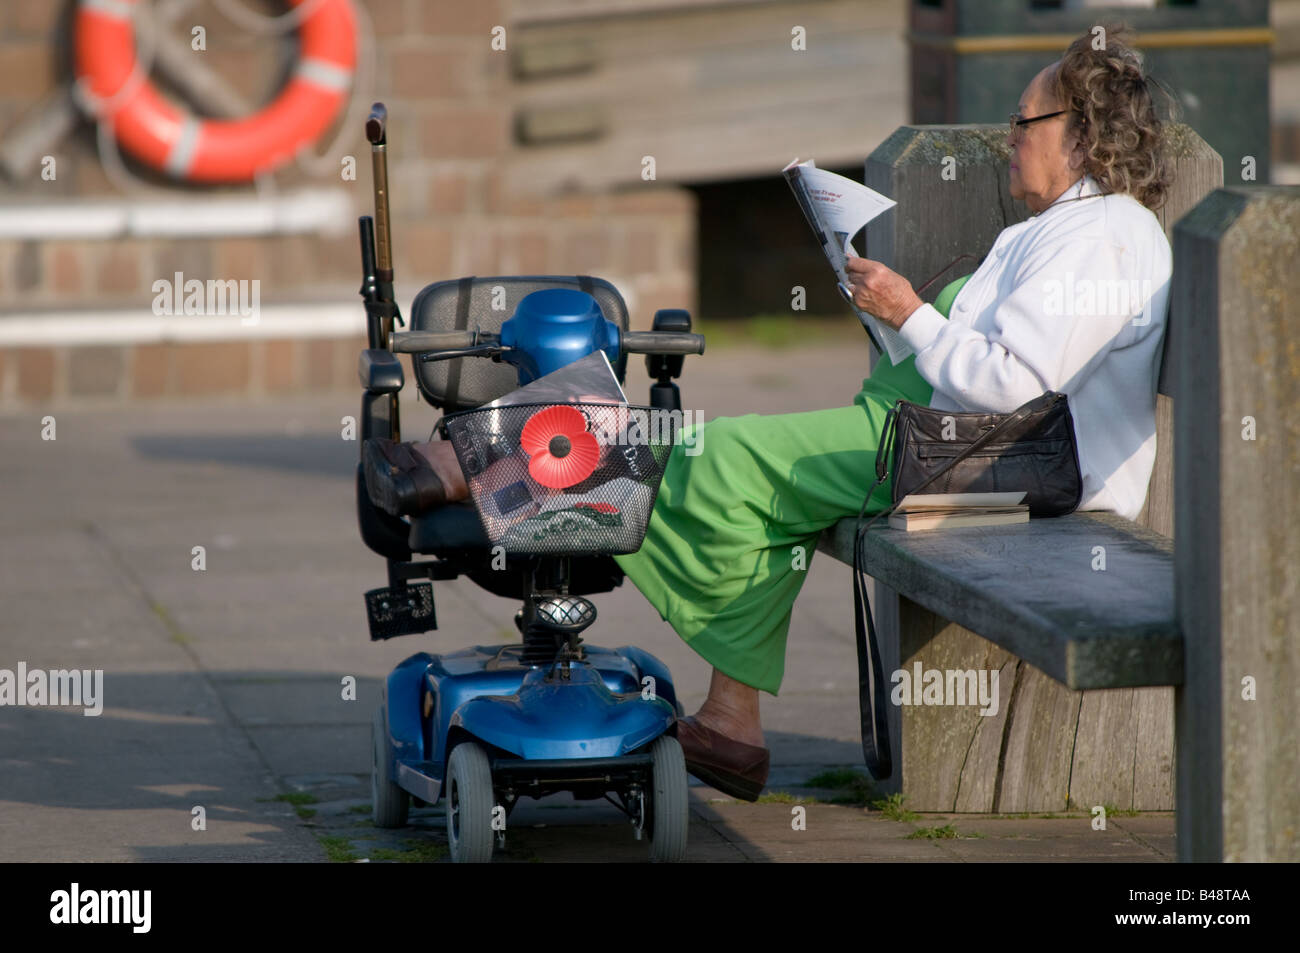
142 371
451 99
710 87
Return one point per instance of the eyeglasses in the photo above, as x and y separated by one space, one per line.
1018 120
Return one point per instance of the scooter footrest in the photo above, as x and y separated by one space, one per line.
405 610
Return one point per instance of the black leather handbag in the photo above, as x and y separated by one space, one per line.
1035 451
1032 448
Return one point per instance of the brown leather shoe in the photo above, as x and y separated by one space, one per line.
398 479
730 766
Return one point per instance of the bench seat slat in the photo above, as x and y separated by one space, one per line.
1030 588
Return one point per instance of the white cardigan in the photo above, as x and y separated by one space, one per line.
1074 300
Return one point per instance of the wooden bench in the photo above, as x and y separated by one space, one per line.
1080 650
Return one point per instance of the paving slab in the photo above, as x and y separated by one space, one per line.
222 681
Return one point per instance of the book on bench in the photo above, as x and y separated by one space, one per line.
944 510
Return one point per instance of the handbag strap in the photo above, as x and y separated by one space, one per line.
872 707
887 435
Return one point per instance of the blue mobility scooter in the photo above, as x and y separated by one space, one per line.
483 727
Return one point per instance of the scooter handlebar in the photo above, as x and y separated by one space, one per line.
413 342
662 342
633 342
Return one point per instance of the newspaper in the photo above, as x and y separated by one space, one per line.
589 379
837 209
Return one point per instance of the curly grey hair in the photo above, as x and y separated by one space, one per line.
1112 108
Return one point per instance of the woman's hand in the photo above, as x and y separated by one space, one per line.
881 291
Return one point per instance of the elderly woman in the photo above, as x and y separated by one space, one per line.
718 558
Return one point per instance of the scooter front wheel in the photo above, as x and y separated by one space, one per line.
670 812
470 803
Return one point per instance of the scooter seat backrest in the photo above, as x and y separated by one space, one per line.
486 303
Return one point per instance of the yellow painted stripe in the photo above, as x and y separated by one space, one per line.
1057 42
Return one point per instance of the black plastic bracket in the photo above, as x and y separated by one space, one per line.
663 367
403 610
664 394
380 371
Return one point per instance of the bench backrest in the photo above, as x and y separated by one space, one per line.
951 185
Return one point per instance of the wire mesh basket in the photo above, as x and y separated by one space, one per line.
572 478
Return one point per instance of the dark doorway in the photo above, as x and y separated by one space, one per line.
755 246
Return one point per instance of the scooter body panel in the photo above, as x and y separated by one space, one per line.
605 708
565 712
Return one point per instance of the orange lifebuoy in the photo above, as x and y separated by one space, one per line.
215 150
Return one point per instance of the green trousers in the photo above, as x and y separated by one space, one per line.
735 526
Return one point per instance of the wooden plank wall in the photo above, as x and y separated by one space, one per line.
712 91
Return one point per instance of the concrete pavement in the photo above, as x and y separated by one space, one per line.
224 685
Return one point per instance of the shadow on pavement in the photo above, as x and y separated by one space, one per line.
308 453
279 763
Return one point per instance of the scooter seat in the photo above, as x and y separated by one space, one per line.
451 528
453 533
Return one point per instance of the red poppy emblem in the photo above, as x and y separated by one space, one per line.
561 452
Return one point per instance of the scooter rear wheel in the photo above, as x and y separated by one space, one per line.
470 802
670 813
